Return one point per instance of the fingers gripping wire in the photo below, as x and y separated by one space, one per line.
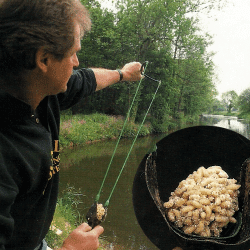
143 67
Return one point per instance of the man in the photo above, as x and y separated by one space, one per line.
39 40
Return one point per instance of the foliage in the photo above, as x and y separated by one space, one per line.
217 105
230 99
167 34
245 116
244 101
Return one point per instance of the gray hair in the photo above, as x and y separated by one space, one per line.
27 25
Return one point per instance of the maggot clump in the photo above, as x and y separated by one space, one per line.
204 203
100 212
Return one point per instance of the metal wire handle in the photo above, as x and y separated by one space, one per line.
143 70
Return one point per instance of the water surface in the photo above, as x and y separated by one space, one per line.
85 167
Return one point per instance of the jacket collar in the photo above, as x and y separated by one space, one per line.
15 111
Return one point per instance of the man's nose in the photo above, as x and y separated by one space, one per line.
75 61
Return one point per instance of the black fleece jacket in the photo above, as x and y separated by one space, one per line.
29 162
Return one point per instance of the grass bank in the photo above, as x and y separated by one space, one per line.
245 116
81 129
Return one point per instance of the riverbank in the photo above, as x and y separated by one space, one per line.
82 129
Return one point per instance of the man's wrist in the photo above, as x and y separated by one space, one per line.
121 74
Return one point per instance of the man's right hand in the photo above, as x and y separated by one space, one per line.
83 238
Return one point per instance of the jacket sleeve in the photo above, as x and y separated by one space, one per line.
81 84
8 193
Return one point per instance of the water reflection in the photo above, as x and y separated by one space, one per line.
228 122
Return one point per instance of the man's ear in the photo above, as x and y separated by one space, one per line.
42 60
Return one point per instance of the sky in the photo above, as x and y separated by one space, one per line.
230 29
231 37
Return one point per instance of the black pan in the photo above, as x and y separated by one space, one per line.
178 155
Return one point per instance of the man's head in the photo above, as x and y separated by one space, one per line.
27 25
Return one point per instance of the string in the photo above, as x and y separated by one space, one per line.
119 138
108 200
112 157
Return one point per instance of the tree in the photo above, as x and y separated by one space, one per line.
244 101
162 28
163 32
217 105
230 99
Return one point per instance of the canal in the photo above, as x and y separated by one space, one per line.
84 167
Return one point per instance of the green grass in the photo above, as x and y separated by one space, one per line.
81 129
66 217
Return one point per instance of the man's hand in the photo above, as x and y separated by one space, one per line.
131 72
83 238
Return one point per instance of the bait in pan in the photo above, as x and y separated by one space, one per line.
177 156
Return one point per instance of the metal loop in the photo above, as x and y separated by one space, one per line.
143 67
